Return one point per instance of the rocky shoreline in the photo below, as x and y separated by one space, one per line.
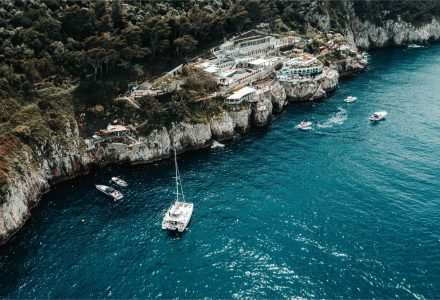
63 163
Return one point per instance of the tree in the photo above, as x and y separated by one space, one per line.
96 57
133 35
100 9
185 44
78 22
156 29
117 18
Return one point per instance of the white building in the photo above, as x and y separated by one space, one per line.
305 65
251 43
244 94
261 63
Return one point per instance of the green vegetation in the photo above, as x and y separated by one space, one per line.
105 44
59 58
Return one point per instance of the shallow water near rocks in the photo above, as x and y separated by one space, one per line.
346 210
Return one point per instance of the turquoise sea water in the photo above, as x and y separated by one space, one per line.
347 210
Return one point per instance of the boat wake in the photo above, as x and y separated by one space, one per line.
337 119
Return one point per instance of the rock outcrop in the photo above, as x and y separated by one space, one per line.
222 126
279 99
155 146
56 162
186 136
396 32
241 119
262 114
63 162
351 65
301 90
330 80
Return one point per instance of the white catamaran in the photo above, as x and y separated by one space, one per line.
178 215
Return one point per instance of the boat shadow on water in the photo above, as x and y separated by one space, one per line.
175 235
377 123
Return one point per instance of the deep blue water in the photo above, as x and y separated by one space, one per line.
347 210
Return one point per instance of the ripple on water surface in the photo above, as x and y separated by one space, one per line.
347 210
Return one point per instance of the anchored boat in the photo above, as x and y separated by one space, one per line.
216 144
304 125
350 99
178 215
109 191
379 115
414 46
119 181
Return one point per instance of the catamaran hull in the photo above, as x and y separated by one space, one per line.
177 226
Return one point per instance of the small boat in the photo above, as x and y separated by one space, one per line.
350 99
178 215
119 181
414 46
379 115
304 125
109 191
216 144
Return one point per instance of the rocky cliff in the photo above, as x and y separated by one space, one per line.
375 24
312 89
61 161
367 35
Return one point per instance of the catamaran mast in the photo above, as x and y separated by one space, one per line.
179 189
177 175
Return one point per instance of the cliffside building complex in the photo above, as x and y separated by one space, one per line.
302 65
244 59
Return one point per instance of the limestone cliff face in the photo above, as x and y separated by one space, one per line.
351 65
301 90
241 119
330 79
279 99
317 88
155 146
222 126
396 32
63 162
25 188
262 114
366 34
60 161
186 136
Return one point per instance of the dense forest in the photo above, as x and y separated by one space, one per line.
104 44
89 50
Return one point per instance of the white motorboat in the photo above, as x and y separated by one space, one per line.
379 115
304 125
119 181
414 46
109 191
216 144
178 215
350 99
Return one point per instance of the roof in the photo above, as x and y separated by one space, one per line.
211 69
114 128
249 35
227 73
259 61
241 93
